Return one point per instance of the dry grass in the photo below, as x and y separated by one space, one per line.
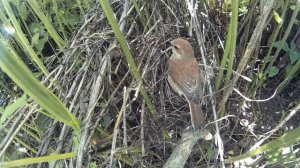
101 92
96 86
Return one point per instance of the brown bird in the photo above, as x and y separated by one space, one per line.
185 78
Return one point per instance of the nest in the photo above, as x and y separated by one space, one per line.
100 90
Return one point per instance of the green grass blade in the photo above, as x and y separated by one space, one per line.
232 45
23 162
225 57
10 109
284 141
138 11
21 38
129 58
22 76
45 20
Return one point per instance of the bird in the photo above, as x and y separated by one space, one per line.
186 79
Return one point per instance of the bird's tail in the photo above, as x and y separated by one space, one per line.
197 116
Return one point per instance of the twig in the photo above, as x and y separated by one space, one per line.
125 143
142 129
253 100
113 147
116 127
183 149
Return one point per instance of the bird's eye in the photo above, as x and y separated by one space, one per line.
176 47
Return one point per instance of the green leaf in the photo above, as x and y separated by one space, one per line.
296 22
106 120
39 38
41 43
72 19
292 7
243 10
294 56
293 46
277 17
35 27
125 158
47 23
273 71
288 69
285 46
93 165
260 75
268 59
23 10
35 39
10 109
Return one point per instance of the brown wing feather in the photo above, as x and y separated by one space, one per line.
185 74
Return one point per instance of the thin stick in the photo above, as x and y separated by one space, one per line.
142 129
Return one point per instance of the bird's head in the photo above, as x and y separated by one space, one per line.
182 49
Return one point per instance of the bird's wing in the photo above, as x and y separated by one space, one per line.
191 87
185 78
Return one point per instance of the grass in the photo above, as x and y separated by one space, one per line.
101 80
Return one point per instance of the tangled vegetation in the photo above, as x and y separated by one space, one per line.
84 84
